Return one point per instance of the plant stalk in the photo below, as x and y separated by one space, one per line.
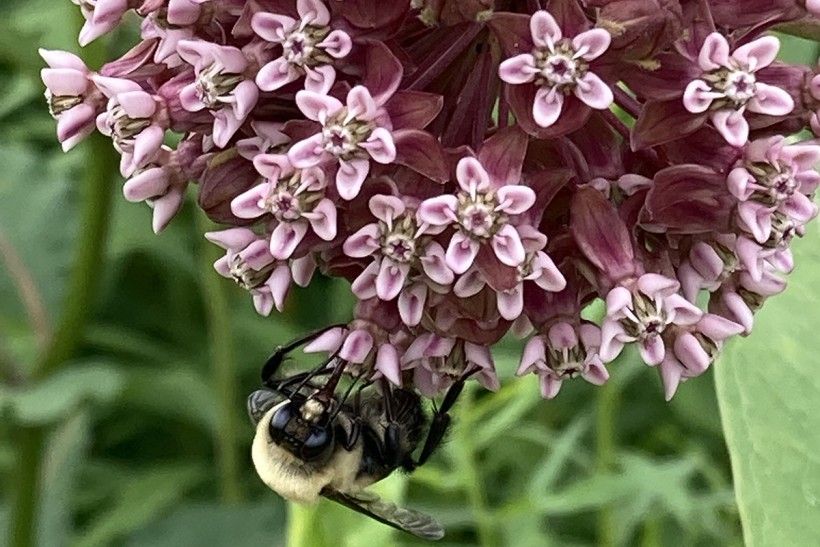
605 448
98 189
304 528
223 366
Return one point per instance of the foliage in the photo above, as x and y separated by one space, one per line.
136 450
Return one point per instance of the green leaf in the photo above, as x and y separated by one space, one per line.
193 525
768 388
146 496
55 397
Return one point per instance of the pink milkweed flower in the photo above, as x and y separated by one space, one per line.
351 134
774 183
220 86
401 255
73 99
437 362
296 200
481 213
101 17
537 267
558 66
249 263
309 47
641 314
269 139
161 185
184 12
729 86
134 119
565 352
694 349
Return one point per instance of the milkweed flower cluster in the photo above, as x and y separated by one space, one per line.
473 167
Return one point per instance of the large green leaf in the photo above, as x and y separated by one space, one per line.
769 387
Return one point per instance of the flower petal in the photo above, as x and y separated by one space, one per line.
594 92
547 106
461 253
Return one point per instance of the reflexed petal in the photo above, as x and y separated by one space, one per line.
732 125
740 181
337 44
272 27
387 362
471 174
411 304
277 74
656 285
386 208
364 242
469 284
698 96
307 153
511 303
691 354
286 237
596 373
547 107
320 79
351 177
592 43
329 341
758 53
65 81
434 265
545 30
313 12
317 107
652 350
515 199
518 70
771 100
323 219
507 246
438 211
360 104
357 346
714 53
391 278
364 286
380 146
534 354
671 372
246 205
550 386
279 285
461 253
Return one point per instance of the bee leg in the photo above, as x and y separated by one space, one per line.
351 438
391 443
440 423
273 363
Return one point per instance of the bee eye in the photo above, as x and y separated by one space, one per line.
280 419
317 443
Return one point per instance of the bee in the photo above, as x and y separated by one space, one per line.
311 443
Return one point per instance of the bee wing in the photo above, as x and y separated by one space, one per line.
400 518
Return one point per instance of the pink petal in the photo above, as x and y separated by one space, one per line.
594 92
62 59
592 43
469 284
313 12
652 350
732 125
364 242
351 177
461 253
386 208
547 106
364 286
691 354
698 96
511 303
357 346
714 53
617 299
246 205
742 314
286 237
137 104
273 166
360 104
234 239
534 354
317 107
611 345
515 199
411 304
550 386
279 285
771 100
438 211
380 146
596 373
518 70
65 81
656 285
189 99
740 182
800 208
507 246
757 219
391 278
272 27
245 94
387 362
302 270
323 219
718 328
685 312
758 53
150 183
147 144
320 79
329 341
544 29
337 44
276 74
562 336
434 265
307 153
670 371
470 175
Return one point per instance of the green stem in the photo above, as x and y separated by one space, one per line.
304 527
223 366
98 189
605 412
469 468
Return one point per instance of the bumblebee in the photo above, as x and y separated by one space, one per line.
310 442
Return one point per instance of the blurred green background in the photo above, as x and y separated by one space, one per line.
124 378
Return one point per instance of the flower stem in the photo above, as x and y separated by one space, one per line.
304 528
605 412
223 365
98 189
469 468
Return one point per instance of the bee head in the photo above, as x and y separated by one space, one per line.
303 427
